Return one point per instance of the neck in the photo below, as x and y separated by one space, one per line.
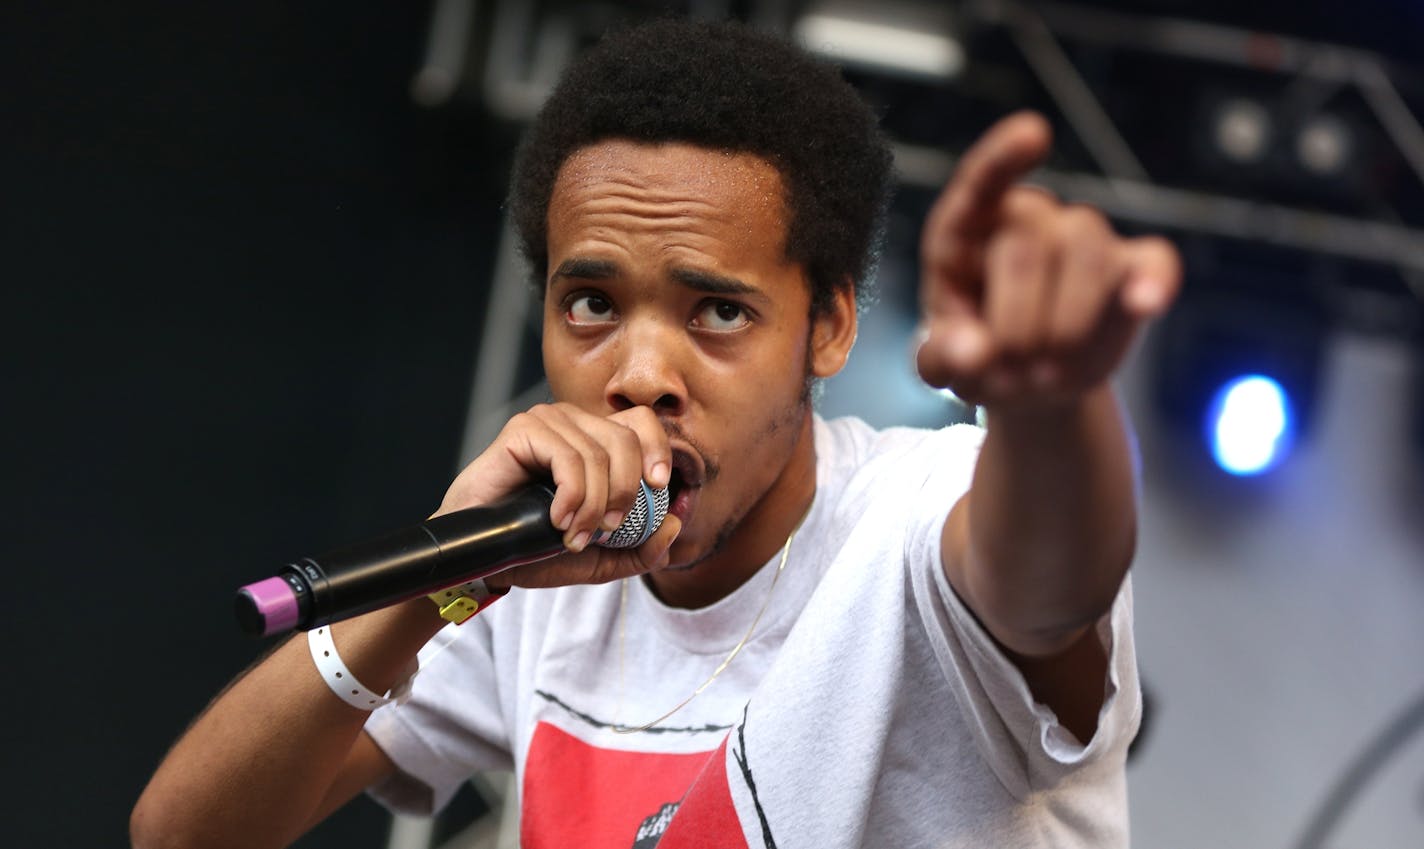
759 535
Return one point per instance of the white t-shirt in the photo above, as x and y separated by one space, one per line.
869 708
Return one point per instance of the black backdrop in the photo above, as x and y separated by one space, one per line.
243 282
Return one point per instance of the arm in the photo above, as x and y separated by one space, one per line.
1039 546
1030 307
278 751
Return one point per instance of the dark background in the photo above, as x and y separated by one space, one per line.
242 299
242 278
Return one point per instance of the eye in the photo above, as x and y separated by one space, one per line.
722 316
589 308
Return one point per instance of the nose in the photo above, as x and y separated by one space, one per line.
649 371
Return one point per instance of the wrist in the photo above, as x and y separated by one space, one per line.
1047 410
345 684
377 657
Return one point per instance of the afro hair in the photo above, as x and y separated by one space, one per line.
723 86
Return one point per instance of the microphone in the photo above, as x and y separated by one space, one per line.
435 554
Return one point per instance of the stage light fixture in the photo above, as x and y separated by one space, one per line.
1250 425
1324 146
906 39
1242 130
1237 375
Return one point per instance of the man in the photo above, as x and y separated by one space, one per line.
838 637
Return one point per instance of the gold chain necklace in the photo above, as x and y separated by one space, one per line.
619 728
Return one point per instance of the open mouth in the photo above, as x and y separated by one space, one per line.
685 479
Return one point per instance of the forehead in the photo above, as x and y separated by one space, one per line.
733 187
669 164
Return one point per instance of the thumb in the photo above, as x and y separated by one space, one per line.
1154 277
952 347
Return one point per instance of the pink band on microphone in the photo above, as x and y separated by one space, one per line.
275 603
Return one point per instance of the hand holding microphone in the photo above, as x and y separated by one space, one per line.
519 521
446 550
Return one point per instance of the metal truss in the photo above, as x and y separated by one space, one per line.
1125 189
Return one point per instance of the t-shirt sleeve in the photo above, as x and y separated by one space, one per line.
451 726
1021 739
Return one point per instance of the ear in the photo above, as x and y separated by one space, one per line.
833 333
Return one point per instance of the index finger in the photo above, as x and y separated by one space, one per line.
657 451
969 205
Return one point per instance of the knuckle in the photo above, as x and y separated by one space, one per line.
519 422
1066 332
565 454
625 437
1093 259
541 412
570 493
1014 251
1083 222
597 456
1030 200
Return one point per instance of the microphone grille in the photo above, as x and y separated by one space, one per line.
647 513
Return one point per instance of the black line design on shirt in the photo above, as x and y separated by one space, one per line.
658 729
742 759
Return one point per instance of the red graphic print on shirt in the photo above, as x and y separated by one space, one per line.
580 795
707 816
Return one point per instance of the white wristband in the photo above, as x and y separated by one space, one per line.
339 678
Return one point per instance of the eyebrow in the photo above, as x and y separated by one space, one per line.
712 284
700 281
589 269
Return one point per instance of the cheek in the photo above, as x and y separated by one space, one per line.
575 371
767 388
762 418
567 374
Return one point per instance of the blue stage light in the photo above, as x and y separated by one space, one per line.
1250 425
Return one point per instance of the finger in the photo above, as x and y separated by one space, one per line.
1091 269
953 349
525 450
625 469
1112 336
654 553
652 441
537 451
951 274
1154 277
599 565
965 212
620 451
580 488
1017 289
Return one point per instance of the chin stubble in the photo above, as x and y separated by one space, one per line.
790 418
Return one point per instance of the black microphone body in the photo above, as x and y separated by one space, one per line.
437 553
